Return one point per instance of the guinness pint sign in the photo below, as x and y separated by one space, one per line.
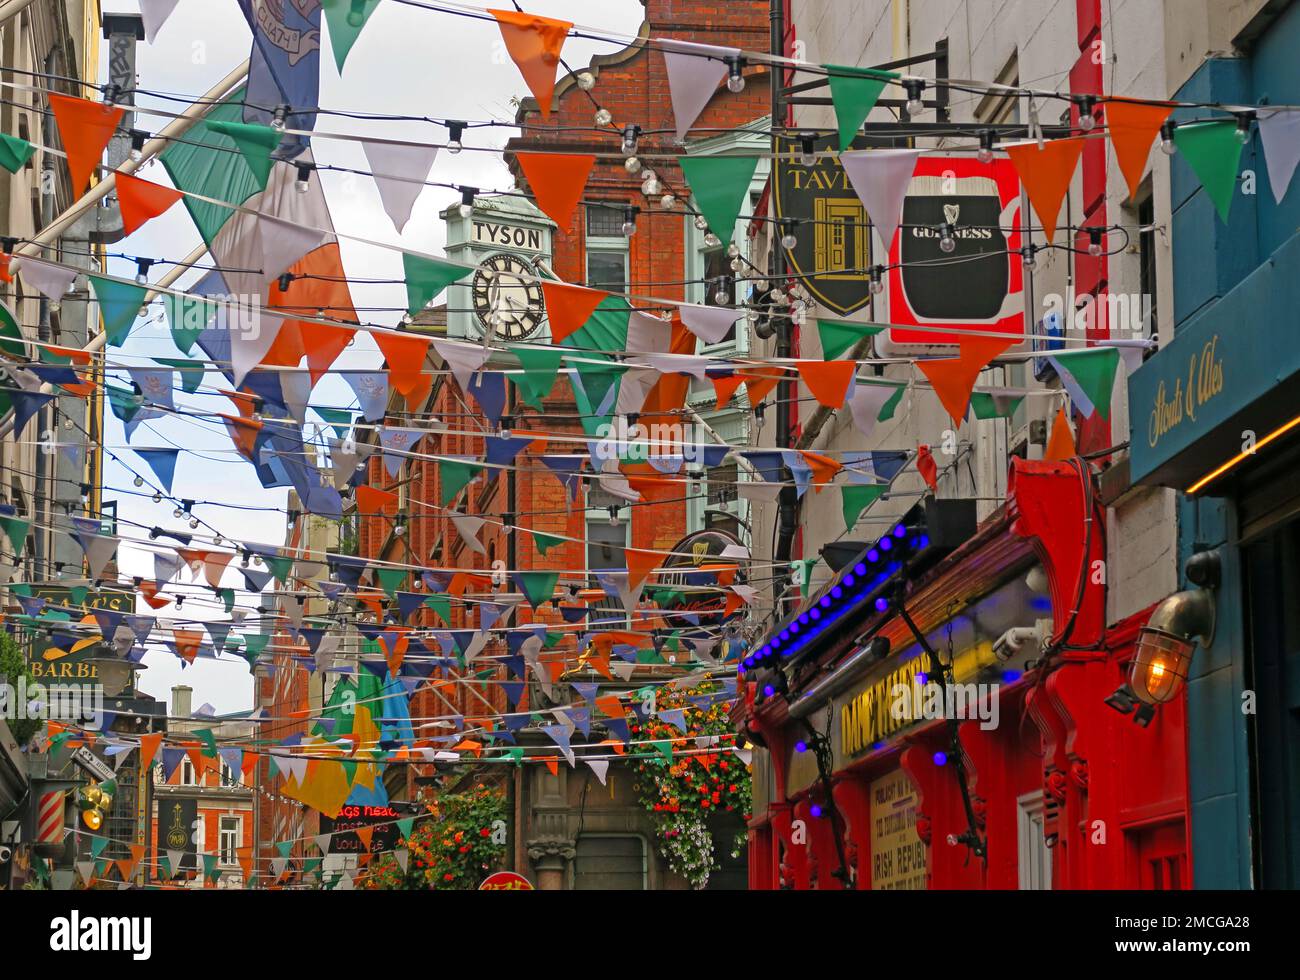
834 232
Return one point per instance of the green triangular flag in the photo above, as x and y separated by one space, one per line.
119 305
209 742
664 748
340 418
16 531
440 604
190 372
390 579
721 188
803 573
14 152
285 848
515 755
540 364
256 143
838 336
255 643
887 410
1094 371
406 824
596 392
228 598
187 317
857 498
455 476
77 594
280 566
426 278
346 19
538 587
854 92
210 869
1213 152
987 405
545 542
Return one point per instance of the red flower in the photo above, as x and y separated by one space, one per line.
484 832
448 877
731 788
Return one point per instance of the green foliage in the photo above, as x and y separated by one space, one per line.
452 849
13 665
683 794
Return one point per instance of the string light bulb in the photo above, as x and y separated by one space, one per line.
668 201
137 145
947 238
1087 105
157 498
467 201
1167 145
280 118
723 295
455 133
1243 128
877 276
807 149
735 78
711 240
631 136
985 154
914 88
632 165
603 117
1027 258
586 81
142 267
139 480
789 240
1094 242
303 184
701 223
629 221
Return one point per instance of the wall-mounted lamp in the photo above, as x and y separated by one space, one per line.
1168 640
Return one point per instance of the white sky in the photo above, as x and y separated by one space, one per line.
407 61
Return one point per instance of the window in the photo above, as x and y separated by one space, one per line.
607 248
606 862
1146 216
188 776
230 837
230 777
1035 856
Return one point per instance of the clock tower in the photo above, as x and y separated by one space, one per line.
505 238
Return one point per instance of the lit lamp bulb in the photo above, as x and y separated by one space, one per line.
807 150
455 133
914 88
1167 642
788 238
947 240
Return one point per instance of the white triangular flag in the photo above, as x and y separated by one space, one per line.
694 73
1279 131
99 550
880 178
693 364
403 857
709 323
400 170
174 859
285 242
51 281
623 669
600 767
296 388
463 359
468 527
251 337
635 389
155 14
648 334
865 403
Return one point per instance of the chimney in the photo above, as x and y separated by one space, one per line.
181 701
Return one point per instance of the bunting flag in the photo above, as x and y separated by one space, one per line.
141 200
854 92
534 44
15 152
1279 132
927 467
995 404
1213 152
541 366
154 13
1089 376
880 179
187 318
1060 444
399 171
119 306
694 73
557 181
162 462
1046 173
346 19
954 378
857 497
538 587
1133 128
720 186
710 323
284 68
371 389
426 278
254 141
26 404
838 336
50 280
569 307
454 476
404 354
545 542
829 381
85 129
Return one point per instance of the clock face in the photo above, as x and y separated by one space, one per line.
505 285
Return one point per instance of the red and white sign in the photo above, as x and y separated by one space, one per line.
506 881
980 284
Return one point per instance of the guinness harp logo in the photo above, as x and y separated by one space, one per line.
833 230
951 212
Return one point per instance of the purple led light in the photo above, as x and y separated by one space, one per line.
848 581
885 544
900 531
815 810
825 602
815 613
768 690
873 556
882 604
784 635
941 758
860 568
803 619
837 593
794 627
801 746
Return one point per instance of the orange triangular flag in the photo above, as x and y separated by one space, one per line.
187 643
85 128
534 43
1046 174
243 433
364 833
149 748
141 200
954 378
726 388
610 705
569 307
150 592
553 764
640 563
323 344
5 274
1060 444
1133 127
828 381
557 181
823 470
405 354
599 662
372 500
759 384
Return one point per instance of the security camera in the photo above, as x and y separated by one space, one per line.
6 852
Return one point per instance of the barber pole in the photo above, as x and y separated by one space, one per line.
49 822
